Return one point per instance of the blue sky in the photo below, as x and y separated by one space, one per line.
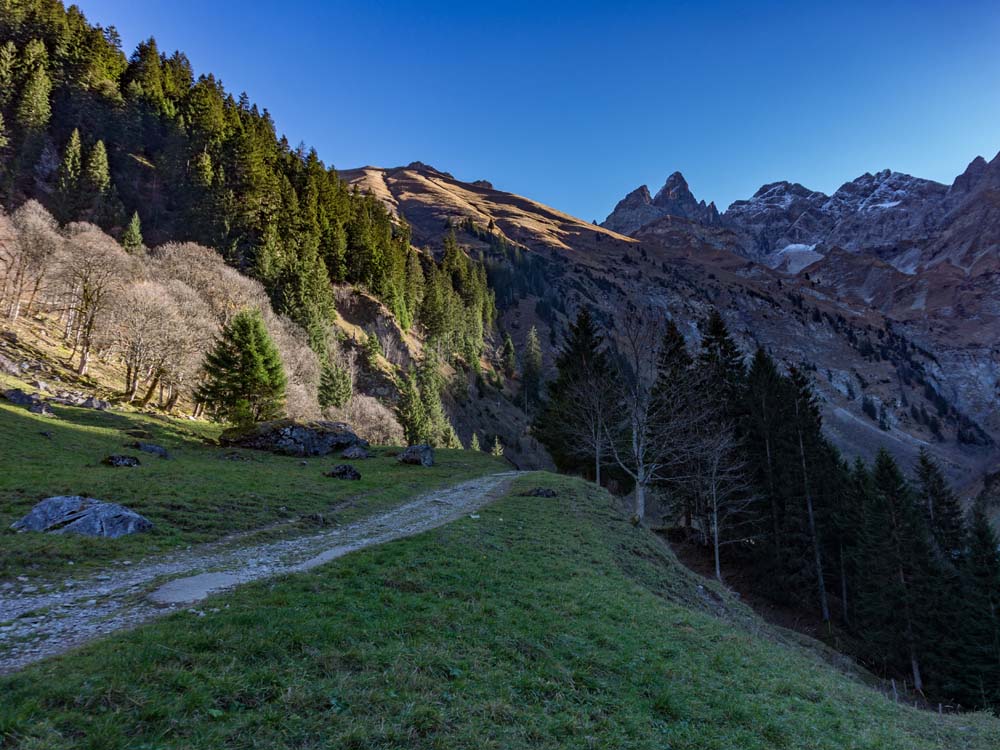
575 104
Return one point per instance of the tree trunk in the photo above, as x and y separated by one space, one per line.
597 465
821 584
715 535
151 391
843 587
640 499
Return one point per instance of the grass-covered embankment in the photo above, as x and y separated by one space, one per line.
543 623
204 493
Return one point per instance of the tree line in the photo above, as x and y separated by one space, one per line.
737 451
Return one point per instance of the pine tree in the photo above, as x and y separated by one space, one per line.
497 449
8 73
572 425
335 387
35 109
474 443
97 175
531 369
979 669
508 357
244 378
372 350
132 236
4 138
68 178
722 364
410 410
941 506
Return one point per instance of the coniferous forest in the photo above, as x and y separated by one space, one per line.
890 562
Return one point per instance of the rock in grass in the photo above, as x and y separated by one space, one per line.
156 450
95 403
121 461
418 455
343 471
356 452
540 492
293 438
82 515
42 409
19 398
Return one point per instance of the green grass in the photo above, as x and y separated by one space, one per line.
541 624
196 497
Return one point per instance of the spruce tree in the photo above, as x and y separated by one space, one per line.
335 387
531 369
497 449
410 409
474 443
508 356
941 507
97 175
244 378
4 138
68 178
722 364
979 669
372 350
8 73
35 109
132 236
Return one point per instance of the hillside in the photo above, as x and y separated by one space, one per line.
926 392
544 623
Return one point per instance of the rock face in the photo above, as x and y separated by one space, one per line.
418 455
294 439
356 452
343 471
82 515
675 198
120 462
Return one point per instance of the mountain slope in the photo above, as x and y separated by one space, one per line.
582 631
853 325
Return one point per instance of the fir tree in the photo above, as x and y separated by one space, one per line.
35 109
372 350
132 236
497 449
68 178
244 378
531 369
941 506
508 356
8 73
4 139
97 175
979 669
474 443
335 387
410 409
722 364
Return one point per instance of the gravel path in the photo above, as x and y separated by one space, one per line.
47 618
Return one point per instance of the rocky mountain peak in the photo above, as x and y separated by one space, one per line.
979 173
675 198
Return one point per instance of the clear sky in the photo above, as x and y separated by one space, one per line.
575 104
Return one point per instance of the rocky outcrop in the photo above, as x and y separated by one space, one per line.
82 515
293 438
417 455
675 198
156 450
356 452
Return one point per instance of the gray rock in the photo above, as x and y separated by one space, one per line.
156 450
19 398
41 408
121 461
343 471
95 403
293 438
540 492
418 455
356 452
82 515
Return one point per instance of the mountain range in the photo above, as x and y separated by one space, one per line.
887 291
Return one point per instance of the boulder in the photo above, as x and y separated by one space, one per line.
92 402
156 450
41 408
343 471
540 492
418 455
19 398
356 452
82 515
121 461
294 438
